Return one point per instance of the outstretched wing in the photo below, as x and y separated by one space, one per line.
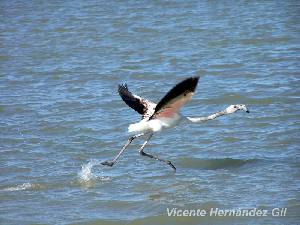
141 105
176 98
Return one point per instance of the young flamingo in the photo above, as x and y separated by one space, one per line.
165 114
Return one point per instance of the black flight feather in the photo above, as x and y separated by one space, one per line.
130 100
185 86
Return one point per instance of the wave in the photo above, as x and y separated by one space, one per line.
213 164
24 186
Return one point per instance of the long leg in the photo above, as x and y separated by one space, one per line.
145 143
152 156
111 163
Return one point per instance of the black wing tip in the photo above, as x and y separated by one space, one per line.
194 79
122 88
190 83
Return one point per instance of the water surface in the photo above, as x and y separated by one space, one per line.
60 64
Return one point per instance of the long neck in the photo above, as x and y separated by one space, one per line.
206 118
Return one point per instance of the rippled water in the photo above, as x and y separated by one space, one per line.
61 62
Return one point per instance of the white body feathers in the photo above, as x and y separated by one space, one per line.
155 125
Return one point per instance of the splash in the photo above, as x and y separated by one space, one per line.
86 171
86 175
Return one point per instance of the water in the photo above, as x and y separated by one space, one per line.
61 62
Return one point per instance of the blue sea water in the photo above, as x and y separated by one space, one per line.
60 113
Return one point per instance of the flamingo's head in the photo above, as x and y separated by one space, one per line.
234 108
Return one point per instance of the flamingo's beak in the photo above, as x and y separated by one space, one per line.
244 108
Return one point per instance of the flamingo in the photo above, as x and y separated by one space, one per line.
163 115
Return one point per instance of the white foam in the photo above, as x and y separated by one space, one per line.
20 187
